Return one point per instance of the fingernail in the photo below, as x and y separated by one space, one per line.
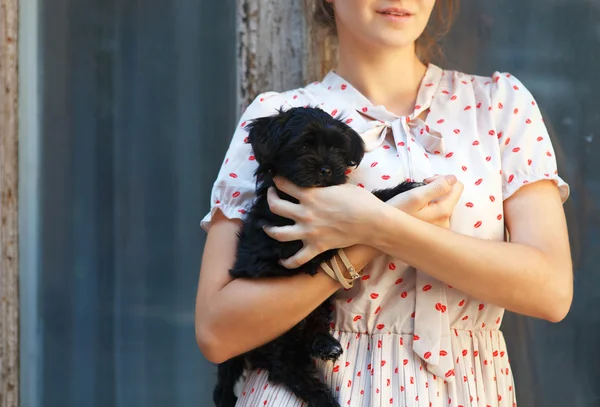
451 179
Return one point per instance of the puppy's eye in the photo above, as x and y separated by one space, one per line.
303 148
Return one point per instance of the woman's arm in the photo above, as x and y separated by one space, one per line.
531 275
235 316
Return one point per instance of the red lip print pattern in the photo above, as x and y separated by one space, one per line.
516 151
440 307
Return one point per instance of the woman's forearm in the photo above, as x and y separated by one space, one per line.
511 275
248 313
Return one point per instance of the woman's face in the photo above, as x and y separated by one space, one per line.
382 23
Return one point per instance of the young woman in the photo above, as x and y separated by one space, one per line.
421 327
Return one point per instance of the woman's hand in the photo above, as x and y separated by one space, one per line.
342 216
326 218
432 203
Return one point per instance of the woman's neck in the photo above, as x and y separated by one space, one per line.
388 78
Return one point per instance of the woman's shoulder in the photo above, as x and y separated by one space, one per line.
270 102
493 84
293 97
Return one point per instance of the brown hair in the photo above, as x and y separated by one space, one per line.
428 49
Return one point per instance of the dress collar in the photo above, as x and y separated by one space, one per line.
427 90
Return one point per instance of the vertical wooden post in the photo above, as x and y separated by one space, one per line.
277 49
9 260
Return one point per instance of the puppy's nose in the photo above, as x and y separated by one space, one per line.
325 171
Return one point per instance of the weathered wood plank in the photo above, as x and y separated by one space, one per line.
277 49
9 281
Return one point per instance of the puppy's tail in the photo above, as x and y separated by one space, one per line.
228 374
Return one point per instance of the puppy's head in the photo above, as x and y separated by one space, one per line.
305 145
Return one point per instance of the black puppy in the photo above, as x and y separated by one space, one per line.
312 149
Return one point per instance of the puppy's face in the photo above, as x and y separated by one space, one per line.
305 145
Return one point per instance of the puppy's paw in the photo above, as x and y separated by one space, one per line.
326 347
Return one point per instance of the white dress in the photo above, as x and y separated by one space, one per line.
411 340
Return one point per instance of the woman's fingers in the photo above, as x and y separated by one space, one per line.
444 206
280 206
436 188
451 199
301 257
285 233
288 187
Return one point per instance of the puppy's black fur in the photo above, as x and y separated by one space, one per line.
311 149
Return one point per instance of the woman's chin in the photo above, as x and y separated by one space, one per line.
391 40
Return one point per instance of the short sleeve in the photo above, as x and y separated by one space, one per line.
526 150
234 190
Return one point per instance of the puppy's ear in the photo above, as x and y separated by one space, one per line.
356 148
262 137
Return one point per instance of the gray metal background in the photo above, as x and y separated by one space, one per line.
137 106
